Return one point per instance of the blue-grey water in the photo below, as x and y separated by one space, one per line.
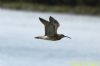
18 47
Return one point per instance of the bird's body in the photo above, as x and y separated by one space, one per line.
53 38
51 27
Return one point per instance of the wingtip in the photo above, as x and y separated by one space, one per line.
39 17
50 17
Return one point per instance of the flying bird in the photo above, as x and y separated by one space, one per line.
51 27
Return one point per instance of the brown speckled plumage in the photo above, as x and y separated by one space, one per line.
51 27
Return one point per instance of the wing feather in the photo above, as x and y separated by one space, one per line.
50 27
55 23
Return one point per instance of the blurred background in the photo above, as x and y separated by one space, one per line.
69 6
19 24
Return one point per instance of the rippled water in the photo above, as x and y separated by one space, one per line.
18 47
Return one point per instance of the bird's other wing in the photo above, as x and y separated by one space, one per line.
55 23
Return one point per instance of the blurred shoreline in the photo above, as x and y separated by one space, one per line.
88 10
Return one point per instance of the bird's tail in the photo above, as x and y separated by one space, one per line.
37 37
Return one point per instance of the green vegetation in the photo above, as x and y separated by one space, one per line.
69 6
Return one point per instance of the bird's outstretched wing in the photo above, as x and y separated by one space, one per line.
50 27
45 22
55 23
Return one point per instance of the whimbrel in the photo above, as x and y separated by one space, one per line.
51 27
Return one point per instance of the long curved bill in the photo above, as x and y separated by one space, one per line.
68 37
